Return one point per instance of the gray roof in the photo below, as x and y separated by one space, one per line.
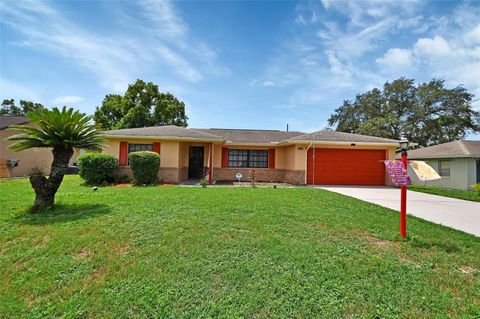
251 136
453 149
334 136
6 121
162 131
246 136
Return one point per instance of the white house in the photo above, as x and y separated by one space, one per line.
458 163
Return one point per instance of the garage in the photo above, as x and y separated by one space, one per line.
332 166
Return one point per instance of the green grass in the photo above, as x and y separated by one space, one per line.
454 193
189 252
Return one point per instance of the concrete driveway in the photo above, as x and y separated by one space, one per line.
455 213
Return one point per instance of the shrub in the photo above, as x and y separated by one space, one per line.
144 165
97 168
204 182
476 187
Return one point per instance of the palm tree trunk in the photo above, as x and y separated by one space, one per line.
46 188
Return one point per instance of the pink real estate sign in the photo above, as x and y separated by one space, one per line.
398 173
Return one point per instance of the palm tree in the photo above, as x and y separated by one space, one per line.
60 130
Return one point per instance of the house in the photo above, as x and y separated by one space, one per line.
458 163
26 161
323 157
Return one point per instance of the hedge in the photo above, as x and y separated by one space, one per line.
144 166
97 168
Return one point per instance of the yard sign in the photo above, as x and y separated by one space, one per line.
398 173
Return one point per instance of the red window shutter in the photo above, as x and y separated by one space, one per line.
123 154
224 157
156 147
271 158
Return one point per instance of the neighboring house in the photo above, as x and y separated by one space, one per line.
458 163
28 160
323 157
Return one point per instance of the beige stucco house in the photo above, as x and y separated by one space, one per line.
323 157
458 163
28 160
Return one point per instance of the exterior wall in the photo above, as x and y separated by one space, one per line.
290 161
29 159
261 175
462 174
169 172
169 150
285 169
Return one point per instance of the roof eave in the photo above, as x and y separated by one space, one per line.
167 138
251 143
442 157
341 143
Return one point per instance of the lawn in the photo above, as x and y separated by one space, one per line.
454 193
226 252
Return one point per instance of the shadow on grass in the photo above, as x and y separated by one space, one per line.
63 213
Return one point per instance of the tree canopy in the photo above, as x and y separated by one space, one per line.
9 107
141 105
427 113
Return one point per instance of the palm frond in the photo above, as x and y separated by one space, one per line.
57 127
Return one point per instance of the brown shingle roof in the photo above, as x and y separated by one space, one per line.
448 150
161 131
334 136
251 136
6 121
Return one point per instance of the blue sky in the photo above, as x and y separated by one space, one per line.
235 64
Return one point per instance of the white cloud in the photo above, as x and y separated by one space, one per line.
397 58
168 21
269 83
67 100
472 37
432 47
161 40
346 58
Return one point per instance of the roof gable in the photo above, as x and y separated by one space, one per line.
453 149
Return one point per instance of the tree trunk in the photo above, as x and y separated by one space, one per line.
46 188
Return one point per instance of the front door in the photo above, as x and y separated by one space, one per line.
195 162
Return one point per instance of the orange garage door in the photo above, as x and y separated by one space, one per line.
332 166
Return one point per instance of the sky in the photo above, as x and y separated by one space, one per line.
235 64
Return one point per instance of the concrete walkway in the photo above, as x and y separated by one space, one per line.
455 213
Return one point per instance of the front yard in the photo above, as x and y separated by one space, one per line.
225 252
454 193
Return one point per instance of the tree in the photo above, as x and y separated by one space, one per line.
60 130
141 105
9 108
427 113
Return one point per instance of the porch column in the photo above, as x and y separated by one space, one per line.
210 164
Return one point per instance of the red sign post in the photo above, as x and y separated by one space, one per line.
403 201
399 176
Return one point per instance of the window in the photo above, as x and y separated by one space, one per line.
248 158
444 168
139 147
